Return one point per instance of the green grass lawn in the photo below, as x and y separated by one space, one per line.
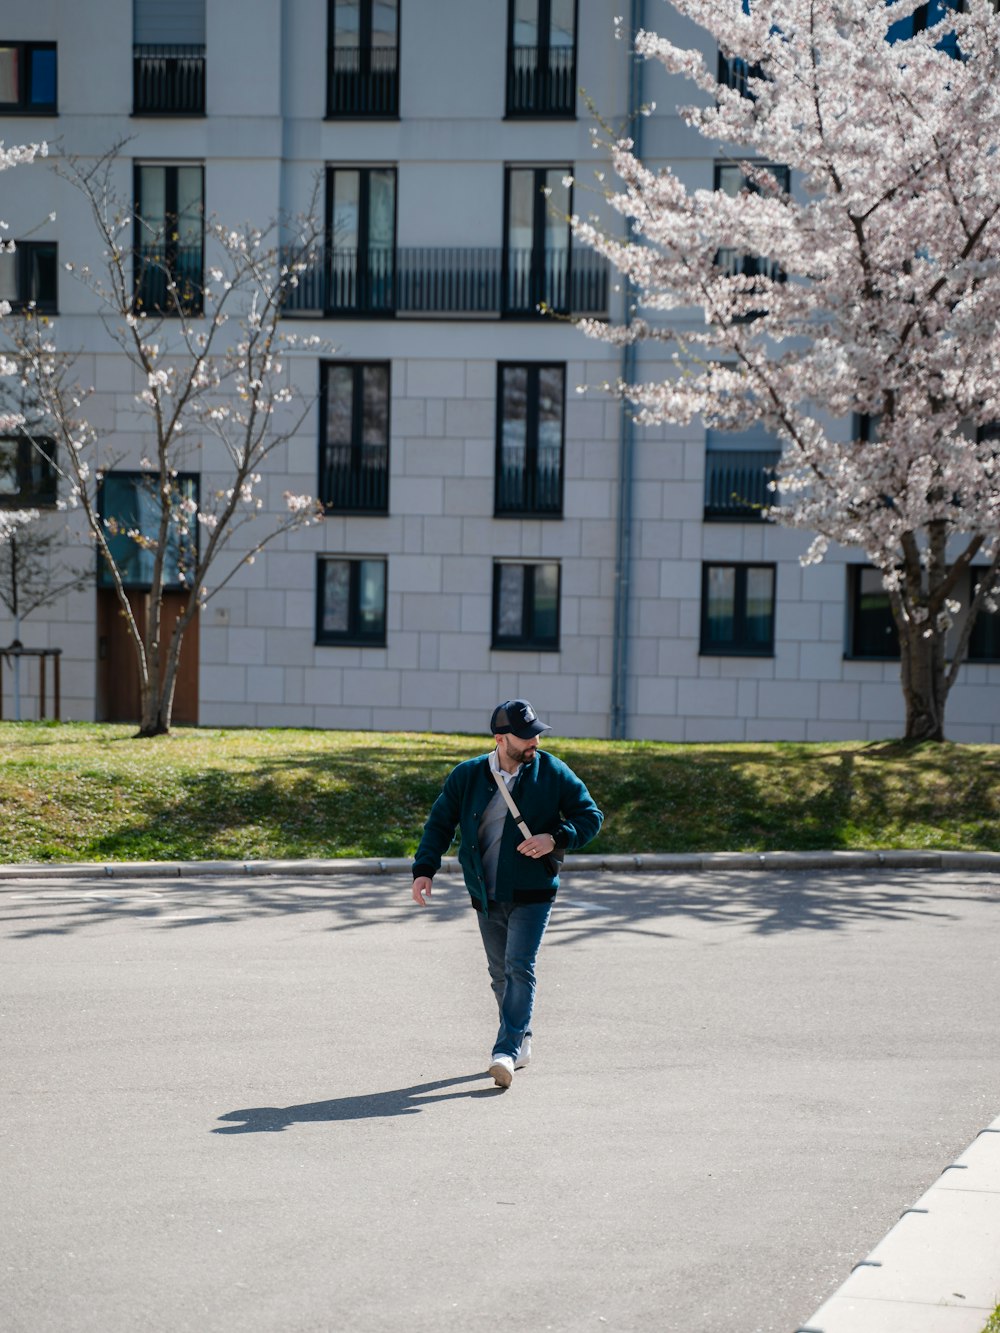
79 792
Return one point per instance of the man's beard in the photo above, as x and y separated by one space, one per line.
521 752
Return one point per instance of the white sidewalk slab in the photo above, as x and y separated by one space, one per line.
938 1269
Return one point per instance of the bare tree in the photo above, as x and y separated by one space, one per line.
207 348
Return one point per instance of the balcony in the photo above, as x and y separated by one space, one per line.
528 490
158 267
734 72
736 483
355 480
481 281
363 81
541 82
168 81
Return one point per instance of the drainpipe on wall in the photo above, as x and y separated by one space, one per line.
626 438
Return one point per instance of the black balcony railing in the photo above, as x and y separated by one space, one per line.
737 481
355 480
168 80
362 81
157 269
361 280
565 281
735 71
458 280
455 280
523 490
541 83
735 264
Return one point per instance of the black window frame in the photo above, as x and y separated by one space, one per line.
169 269
24 106
36 471
534 503
539 291
375 91
169 80
354 636
737 484
984 640
551 95
358 497
26 271
529 639
881 626
735 72
920 23
751 266
186 483
739 645
375 294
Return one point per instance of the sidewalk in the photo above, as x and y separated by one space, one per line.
936 1271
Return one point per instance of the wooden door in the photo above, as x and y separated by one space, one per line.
118 698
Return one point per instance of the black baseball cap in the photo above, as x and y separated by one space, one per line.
517 717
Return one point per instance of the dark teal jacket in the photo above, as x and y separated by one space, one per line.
551 799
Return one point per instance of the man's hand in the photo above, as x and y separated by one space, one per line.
541 844
421 886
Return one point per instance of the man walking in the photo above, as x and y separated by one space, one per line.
510 860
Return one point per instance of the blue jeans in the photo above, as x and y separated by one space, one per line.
512 933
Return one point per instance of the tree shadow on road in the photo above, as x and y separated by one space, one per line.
366 1106
761 902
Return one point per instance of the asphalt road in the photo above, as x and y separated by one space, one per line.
259 1105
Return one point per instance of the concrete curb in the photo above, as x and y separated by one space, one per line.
936 1271
693 862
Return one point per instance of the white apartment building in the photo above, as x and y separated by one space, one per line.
491 531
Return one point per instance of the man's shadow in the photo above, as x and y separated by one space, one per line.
368 1106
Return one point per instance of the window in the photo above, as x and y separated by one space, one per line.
354 451
169 243
926 16
168 57
731 180
361 239
734 71
28 276
350 601
363 58
537 239
529 464
131 502
541 58
28 78
872 630
866 427
27 471
526 606
739 469
737 610
984 641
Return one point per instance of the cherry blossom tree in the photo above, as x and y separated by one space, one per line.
215 400
857 314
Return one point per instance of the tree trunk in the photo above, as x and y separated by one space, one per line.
158 686
924 681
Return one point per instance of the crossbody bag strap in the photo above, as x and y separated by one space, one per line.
510 804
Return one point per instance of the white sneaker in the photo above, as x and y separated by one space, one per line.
502 1069
525 1057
